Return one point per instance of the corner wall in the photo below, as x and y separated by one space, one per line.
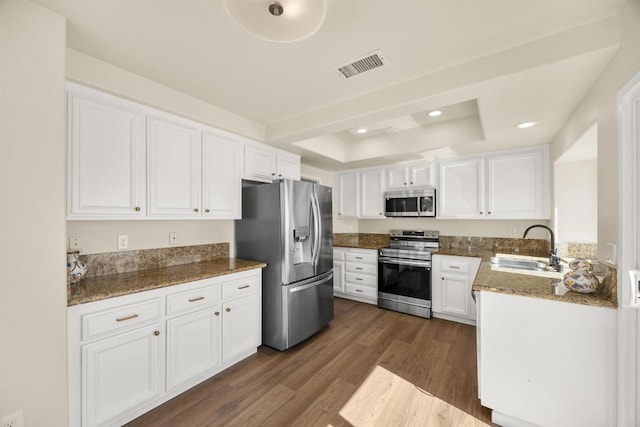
33 290
600 105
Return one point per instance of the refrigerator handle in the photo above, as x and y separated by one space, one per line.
634 287
316 229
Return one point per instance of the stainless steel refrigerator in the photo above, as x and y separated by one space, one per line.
288 225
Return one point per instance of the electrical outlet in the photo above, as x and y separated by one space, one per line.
123 242
74 245
173 238
512 232
611 253
12 420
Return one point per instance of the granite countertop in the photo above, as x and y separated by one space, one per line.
359 245
530 286
113 285
360 240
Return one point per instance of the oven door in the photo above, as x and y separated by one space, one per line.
401 206
404 280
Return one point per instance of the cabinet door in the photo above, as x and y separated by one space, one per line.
461 192
241 326
259 163
288 166
121 373
371 201
348 194
420 175
193 345
397 178
106 158
456 294
221 177
517 185
338 276
174 169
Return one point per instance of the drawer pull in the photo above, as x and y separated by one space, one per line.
358 268
244 287
455 267
122 319
358 257
195 299
359 278
359 290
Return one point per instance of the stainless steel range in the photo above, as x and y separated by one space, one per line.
404 272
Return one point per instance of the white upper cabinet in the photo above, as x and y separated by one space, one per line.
371 189
174 162
221 177
263 163
348 191
506 185
416 175
106 156
517 185
461 192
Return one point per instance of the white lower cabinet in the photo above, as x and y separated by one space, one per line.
120 373
451 283
120 348
360 280
193 345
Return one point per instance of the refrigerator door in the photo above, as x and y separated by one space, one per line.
308 307
299 230
324 258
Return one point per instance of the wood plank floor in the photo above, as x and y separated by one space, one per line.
309 384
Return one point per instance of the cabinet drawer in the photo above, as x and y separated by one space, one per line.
364 291
193 299
240 287
358 267
371 258
455 267
361 279
120 318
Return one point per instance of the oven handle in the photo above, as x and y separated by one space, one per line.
386 260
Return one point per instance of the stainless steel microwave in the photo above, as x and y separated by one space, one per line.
410 203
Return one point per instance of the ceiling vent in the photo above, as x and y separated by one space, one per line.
368 62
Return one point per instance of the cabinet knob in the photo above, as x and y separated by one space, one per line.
411 183
339 213
217 313
489 212
206 210
280 175
273 174
405 183
196 210
443 278
137 209
156 333
480 212
228 310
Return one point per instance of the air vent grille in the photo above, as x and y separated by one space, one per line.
369 62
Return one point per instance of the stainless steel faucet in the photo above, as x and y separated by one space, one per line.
554 259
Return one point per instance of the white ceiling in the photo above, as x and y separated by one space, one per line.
512 60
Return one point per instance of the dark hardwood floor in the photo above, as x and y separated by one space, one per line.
309 384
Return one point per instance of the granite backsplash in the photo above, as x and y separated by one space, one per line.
125 262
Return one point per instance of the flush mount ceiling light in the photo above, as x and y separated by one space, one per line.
361 130
280 21
525 125
435 113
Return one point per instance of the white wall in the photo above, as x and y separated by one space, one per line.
100 236
576 201
600 105
33 290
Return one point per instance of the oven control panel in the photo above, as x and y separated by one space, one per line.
416 234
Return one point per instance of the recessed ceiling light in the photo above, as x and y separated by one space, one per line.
525 125
435 113
361 130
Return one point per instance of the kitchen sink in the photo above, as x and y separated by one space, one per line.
519 264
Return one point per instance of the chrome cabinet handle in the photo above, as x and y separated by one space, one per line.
244 287
359 290
195 299
358 278
122 319
358 257
455 267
